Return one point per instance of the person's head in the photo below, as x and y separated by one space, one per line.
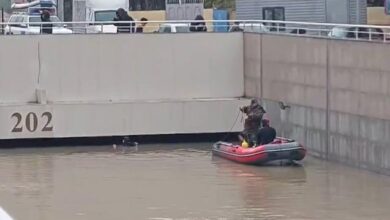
199 18
265 122
144 21
121 13
45 15
254 102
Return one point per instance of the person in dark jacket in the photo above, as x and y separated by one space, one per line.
235 27
266 134
46 27
122 15
254 114
140 28
199 25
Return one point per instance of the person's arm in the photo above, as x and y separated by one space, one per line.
244 109
116 19
259 137
273 133
262 109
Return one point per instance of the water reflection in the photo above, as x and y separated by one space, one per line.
28 180
262 186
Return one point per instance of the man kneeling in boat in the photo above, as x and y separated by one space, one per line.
266 134
254 114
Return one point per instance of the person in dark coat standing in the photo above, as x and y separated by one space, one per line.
267 134
46 27
122 15
199 25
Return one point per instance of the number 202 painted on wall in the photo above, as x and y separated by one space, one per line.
31 122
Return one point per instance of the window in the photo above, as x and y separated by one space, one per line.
18 19
182 29
275 14
167 30
24 19
192 1
13 19
105 15
33 20
68 10
173 1
147 5
375 3
164 29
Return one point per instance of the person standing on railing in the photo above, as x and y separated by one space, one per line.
46 26
122 15
140 28
199 25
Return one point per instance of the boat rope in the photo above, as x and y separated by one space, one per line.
231 129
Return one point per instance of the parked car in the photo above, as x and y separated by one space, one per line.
357 33
249 27
29 24
174 28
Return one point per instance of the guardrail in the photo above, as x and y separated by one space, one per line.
326 30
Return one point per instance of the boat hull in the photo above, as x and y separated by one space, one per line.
280 149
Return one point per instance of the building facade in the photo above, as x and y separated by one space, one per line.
329 11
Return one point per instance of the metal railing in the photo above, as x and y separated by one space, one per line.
324 30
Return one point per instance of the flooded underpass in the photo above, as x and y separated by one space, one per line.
181 181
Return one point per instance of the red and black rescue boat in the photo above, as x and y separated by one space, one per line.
279 149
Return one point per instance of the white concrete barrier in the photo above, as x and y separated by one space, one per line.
127 118
121 67
105 85
19 68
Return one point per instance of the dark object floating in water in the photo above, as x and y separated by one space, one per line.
127 142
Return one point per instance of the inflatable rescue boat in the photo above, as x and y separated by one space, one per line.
279 149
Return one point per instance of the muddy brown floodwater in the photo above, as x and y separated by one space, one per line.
181 181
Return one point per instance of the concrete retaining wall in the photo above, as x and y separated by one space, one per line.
59 120
104 85
338 92
121 67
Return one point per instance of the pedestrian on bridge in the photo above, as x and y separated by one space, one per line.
46 26
124 27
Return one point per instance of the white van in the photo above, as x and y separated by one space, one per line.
29 24
249 27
